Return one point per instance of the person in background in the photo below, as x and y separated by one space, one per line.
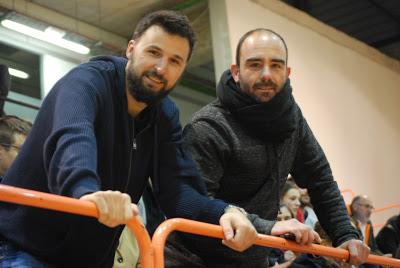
279 258
13 132
388 238
284 213
361 209
5 85
291 198
305 205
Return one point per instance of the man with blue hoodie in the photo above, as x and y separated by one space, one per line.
104 129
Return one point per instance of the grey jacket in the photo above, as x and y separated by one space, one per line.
250 173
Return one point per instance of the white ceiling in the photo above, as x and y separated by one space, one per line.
107 25
120 17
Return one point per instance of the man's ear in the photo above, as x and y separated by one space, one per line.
130 48
288 71
235 72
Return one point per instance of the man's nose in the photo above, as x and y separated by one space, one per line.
265 74
161 66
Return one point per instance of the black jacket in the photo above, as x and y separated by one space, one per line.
388 238
249 172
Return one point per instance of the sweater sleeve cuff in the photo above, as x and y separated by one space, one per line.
262 226
346 238
214 210
83 187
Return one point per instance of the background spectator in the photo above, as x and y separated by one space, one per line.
388 238
13 132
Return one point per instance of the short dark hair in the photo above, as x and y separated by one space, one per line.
244 37
171 21
10 125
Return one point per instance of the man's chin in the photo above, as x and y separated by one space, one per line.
264 97
154 87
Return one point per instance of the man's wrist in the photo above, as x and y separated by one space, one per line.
229 208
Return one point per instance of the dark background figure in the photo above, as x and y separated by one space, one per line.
5 85
388 238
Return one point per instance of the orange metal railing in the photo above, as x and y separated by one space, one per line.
205 229
152 253
348 191
75 206
377 210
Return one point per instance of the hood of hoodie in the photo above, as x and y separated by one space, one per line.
113 63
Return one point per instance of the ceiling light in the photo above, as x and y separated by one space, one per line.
18 73
50 35
54 32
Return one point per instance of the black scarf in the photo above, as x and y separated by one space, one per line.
273 120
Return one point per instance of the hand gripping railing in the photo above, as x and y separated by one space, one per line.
211 230
75 206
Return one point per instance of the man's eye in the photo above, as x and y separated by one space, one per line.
276 66
154 52
175 62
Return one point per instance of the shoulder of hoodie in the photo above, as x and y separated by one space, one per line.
96 71
97 67
169 112
105 64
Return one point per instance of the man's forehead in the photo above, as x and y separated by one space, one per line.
156 36
262 37
259 42
365 200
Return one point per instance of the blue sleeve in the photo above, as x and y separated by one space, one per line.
70 152
181 191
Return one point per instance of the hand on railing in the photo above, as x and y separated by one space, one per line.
114 208
75 206
358 251
303 234
211 230
239 233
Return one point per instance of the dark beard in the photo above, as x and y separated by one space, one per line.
141 93
250 90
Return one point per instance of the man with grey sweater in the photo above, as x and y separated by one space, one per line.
248 140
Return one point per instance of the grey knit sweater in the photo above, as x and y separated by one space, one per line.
250 173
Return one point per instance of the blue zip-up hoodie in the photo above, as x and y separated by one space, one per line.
82 142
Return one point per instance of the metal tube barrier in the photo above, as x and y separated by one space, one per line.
206 229
377 210
71 205
348 191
